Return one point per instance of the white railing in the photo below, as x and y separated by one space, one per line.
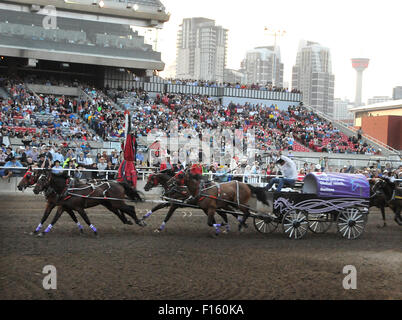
260 180
143 172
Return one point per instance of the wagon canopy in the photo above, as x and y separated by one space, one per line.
337 185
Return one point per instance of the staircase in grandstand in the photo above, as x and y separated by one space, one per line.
65 131
3 93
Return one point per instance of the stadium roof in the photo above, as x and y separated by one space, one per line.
152 10
391 104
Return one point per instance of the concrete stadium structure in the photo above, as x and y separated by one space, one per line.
382 121
80 39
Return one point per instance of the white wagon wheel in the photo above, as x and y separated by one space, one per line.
318 222
266 224
351 222
295 224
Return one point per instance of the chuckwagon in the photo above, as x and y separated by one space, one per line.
326 198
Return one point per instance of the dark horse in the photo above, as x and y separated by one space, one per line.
377 198
29 180
174 190
83 196
392 196
224 196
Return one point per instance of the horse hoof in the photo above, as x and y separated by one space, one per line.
96 235
142 223
157 231
241 228
129 222
398 221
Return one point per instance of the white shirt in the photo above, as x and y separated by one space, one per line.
289 168
88 161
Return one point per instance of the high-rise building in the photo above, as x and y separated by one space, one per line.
263 65
377 99
341 109
397 93
312 75
201 50
234 76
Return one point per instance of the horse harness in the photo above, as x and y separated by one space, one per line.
202 196
88 196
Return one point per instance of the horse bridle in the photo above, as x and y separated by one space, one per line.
31 180
45 185
375 188
154 180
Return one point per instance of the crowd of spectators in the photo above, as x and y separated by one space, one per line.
214 84
29 117
296 129
319 134
33 118
251 173
50 156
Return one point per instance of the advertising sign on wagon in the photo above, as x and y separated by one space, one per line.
337 185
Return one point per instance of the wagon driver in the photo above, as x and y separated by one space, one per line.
289 172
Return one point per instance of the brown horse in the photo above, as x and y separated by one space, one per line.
224 196
174 189
109 194
29 180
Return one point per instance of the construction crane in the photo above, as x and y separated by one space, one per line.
275 33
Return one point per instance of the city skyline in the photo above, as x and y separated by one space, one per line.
349 29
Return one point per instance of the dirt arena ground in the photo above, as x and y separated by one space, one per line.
185 262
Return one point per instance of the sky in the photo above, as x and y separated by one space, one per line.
349 28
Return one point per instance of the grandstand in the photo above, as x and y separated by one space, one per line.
71 85
93 44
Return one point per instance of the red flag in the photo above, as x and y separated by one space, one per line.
127 171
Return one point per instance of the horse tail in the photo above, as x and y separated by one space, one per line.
132 193
260 192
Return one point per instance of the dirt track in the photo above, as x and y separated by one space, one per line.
185 262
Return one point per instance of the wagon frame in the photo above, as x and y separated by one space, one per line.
299 212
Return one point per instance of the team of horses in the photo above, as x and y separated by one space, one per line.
184 189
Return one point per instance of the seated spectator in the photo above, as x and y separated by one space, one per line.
222 174
301 174
57 168
44 162
102 166
111 175
9 153
94 174
81 159
3 157
7 173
